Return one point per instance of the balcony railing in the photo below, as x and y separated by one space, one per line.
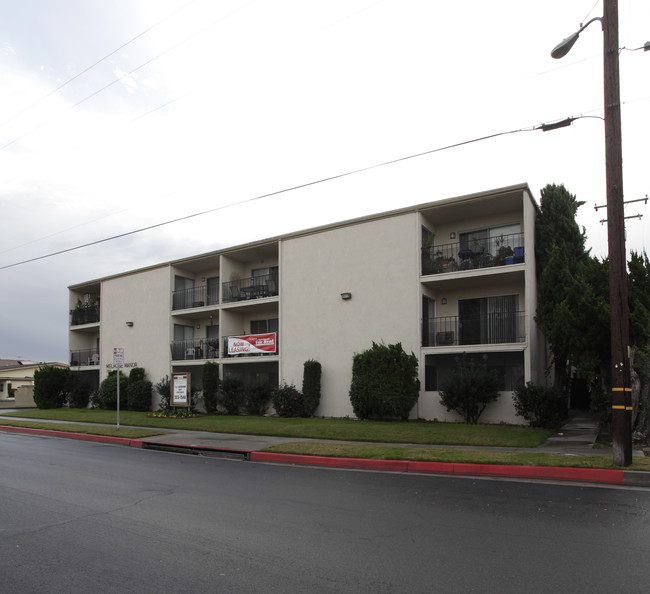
83 357
496 251
496 328
193 349
195 297
86 314
255 287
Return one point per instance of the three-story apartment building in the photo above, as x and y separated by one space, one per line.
446 279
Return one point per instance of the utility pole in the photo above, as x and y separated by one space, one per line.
618 300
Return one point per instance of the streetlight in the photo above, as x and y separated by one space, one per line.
619 314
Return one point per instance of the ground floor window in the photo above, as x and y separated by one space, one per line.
509 368
266 373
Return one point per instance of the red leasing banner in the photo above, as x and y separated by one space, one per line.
251 343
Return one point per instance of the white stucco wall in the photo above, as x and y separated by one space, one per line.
144 299
377 262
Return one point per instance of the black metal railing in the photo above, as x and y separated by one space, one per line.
193 349
85 314
84 357
255 287
195 297
496 251
495 328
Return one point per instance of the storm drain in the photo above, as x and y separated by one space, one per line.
198 451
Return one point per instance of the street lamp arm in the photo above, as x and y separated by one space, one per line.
564 47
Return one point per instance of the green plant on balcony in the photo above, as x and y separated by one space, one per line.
503 251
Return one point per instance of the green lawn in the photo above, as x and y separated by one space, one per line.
412 432
640 463
127 432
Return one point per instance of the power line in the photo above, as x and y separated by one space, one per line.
126 75
76 76
278 192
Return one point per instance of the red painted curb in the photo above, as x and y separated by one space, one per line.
134 443
598 475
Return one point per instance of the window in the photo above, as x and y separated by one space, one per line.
509 368
183 346
213 290
428 320
264 326
489 320
183 292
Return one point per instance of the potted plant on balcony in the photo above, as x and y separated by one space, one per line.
503 251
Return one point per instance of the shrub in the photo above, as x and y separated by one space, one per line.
107 395
385 382
136 374
78 391
541 406
256 397
232 394
311 386
471 388
49 386
288 401
164 389
210 386
94 399
138 395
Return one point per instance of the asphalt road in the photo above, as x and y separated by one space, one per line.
82 517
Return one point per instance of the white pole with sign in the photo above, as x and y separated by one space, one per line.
118 361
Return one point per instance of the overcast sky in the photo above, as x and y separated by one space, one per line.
122 114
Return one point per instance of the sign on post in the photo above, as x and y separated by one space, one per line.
180 390
118 357
118 362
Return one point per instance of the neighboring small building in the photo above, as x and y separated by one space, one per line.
14 375
444 278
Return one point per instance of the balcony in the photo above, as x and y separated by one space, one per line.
496 328
85 314
255 287
486 253
195 297
84 357
197 348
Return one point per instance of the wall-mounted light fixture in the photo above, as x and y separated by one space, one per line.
443 301
346 296
129 324
452 235
202 279
198 326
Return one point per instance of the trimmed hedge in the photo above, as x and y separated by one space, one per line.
107 393
471 388
288 401
256 397
385 382
78 390
311 386
541 406
232 396
211 384
49 386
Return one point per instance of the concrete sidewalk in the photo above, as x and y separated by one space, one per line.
575 438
